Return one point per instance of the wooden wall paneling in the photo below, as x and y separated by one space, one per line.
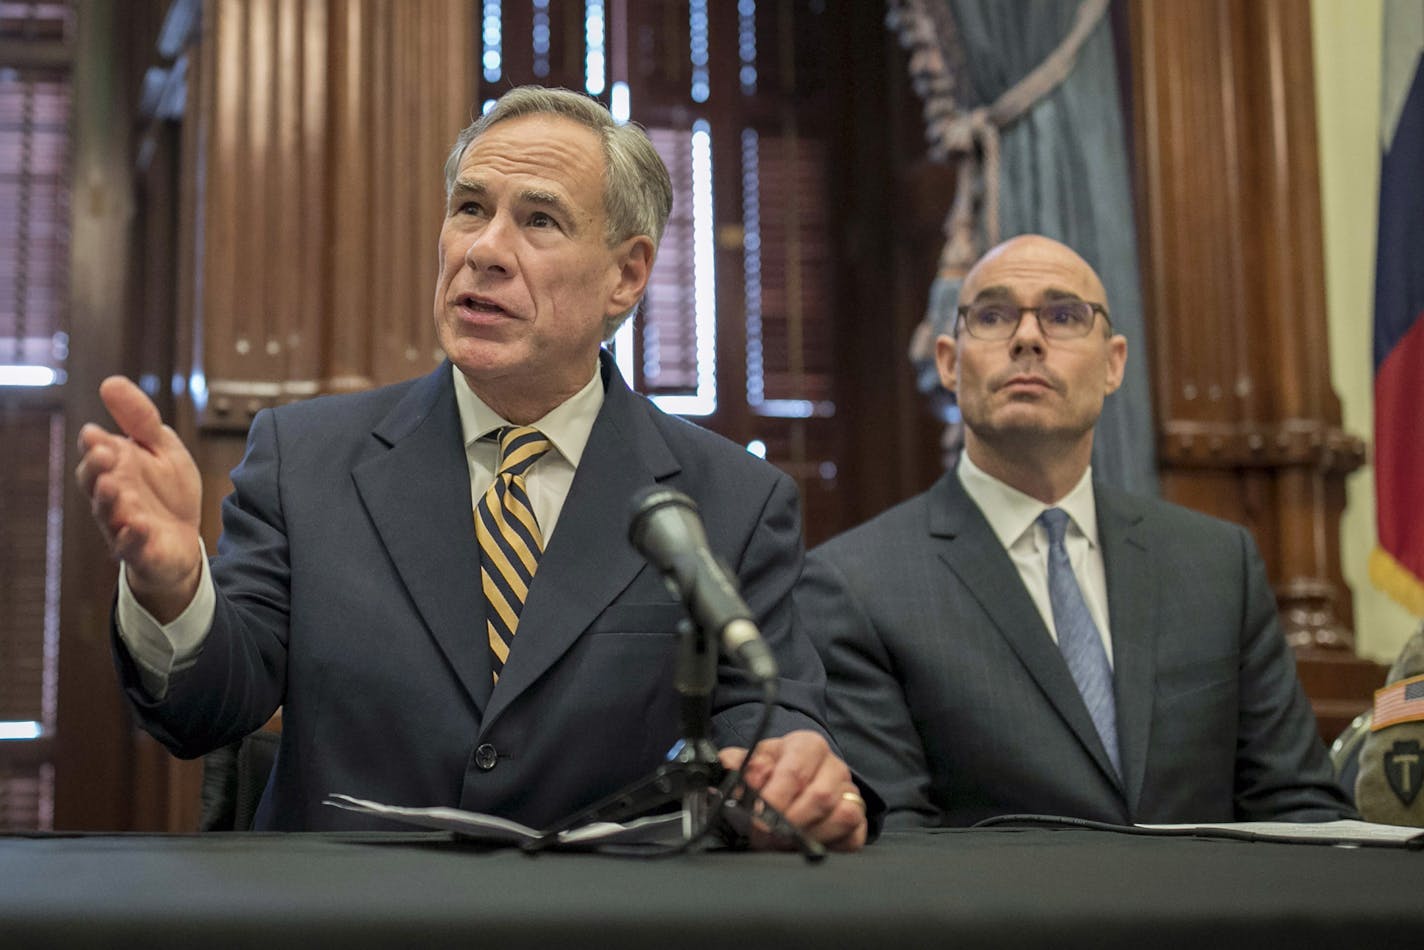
306 216
1197 190
93 733
1187 68
192 141
249 163
1226 132
441 92
889 209
449 54
266 291
163 791
165 794
151 354
198 191
657 61
453 75
324 133
387 255
516 43
259 269
1307 409
405 181
377 203
458 104
212 423
346 336
723 111
1248 426
217 315
421 186
284 249
568 26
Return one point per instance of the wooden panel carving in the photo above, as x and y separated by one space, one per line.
323 127
1249 428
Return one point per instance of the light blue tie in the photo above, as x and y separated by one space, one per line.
1078 636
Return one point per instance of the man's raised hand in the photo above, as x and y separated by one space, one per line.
146 496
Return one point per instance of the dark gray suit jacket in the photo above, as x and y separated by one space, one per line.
949 696
347 582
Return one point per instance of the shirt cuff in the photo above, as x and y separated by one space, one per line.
160 651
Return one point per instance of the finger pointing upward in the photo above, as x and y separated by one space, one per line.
135 413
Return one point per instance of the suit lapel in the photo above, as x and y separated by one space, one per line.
418 496
974 554
1132 618
588 561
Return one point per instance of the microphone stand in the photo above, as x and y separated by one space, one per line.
691 773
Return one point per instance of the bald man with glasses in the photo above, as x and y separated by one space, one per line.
1023 639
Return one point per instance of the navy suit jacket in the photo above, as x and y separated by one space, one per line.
348 593
948 694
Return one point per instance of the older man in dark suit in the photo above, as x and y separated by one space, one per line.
1022 638
432 579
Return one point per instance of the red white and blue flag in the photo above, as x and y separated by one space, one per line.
1397 565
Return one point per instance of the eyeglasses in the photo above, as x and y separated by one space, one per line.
1059 320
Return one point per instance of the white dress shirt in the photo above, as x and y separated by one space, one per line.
160 650
1013 516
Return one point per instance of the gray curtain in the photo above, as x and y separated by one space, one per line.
1064 174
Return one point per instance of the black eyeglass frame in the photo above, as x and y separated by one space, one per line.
1097 308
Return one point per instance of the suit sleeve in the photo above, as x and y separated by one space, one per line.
766 573
869 715
1282 771
236 681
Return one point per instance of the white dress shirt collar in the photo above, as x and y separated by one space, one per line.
567 426
1010 512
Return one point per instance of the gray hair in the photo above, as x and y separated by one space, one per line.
637 191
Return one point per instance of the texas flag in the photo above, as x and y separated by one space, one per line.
1397 566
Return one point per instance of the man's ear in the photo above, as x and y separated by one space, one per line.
634 259
1117 363
946 352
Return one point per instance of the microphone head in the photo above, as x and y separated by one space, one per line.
649 499
666 528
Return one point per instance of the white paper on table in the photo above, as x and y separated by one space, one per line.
1345 831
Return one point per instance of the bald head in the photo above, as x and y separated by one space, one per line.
1029 398
1036 260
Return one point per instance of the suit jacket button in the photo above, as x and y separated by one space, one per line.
486 756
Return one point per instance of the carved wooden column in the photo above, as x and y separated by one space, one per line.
310 191
1249 428
314 141
323 128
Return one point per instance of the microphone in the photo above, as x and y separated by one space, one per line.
667 530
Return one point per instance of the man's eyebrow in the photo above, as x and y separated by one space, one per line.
467 186
1004 292
473 187
996 292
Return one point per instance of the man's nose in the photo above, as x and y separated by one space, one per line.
490 247
1028 335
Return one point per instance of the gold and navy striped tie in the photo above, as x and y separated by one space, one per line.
510 540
